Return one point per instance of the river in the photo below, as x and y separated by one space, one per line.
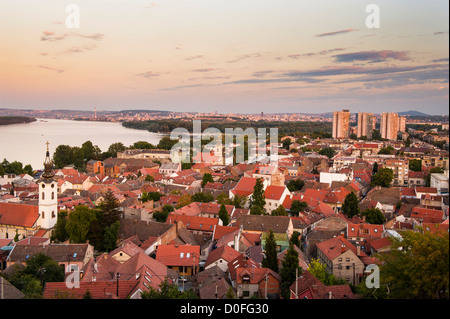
26 143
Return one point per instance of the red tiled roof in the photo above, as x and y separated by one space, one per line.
336 246
224 252
178 255
18 214
364 230
274 192
221 231
194 222
98 289
245 186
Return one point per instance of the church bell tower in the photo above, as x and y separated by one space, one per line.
48 195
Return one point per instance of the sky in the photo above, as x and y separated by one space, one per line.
229 56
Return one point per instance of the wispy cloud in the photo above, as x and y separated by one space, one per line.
204 70
53 37
372 56
195 57
245 56
322 52
328 34
51 69
148 74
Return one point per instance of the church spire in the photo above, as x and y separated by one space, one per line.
48 165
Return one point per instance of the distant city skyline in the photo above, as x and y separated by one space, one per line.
246 57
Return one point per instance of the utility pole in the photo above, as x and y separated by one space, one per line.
296 283
266 286
117 287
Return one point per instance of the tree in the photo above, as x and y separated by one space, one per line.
78 224
416 267
290 267
109 208
166 143
279 211
415 165
375 168
386 150
184 200
298 206
258 200
295 239
154 196
168 290
223 199
319 270
110 237
207 177
350 206
114 148
327 151
161 216
295 185
143 145
202 198
383 177
62 156
374 216
270 253
223 215
60 233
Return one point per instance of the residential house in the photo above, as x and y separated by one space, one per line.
257 282
275 196
307 286
184 259
220 257
341 259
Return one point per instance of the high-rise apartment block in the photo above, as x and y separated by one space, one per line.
341 124
389 126
365 125
402 123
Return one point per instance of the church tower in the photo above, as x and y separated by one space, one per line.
48 195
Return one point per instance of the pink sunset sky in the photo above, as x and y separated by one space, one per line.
242 56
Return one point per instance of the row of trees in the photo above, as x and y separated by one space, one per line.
15 167
78 156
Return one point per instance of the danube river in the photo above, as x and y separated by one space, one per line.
26 143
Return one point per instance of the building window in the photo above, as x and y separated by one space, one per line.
53 214
347 259
53 195
43 215
43 195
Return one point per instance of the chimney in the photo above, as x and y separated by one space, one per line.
314 288
358 250
342 248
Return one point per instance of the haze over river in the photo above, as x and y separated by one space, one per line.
26 143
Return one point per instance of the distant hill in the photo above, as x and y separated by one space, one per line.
8 120
412 113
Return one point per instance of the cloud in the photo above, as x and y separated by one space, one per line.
79 49
440 60
372 56
52 37
184 87
245 56
440 32
204 70
148 74
335 33
96 37
194 57
51 69
322 52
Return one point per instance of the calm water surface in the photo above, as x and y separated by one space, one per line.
26 142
